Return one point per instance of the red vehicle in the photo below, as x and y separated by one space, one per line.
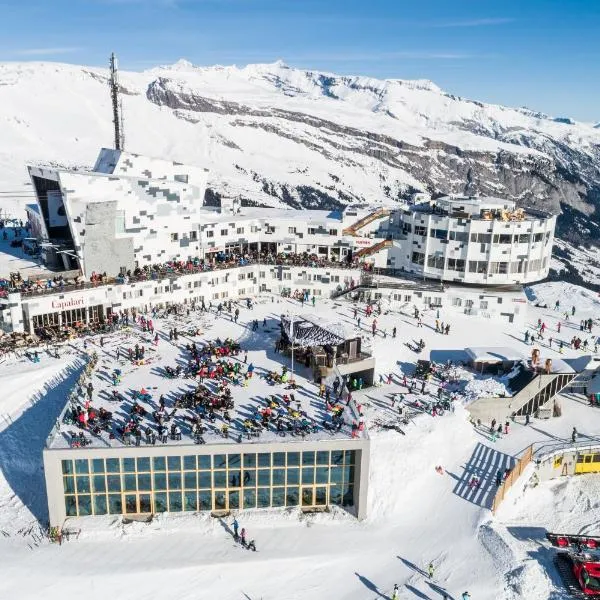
578 563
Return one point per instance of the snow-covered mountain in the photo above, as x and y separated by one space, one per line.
278 135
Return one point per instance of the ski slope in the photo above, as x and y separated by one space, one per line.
416 516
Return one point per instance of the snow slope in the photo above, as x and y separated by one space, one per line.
415 514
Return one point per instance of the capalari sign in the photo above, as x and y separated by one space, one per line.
62 304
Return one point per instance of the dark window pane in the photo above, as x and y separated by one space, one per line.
350 457
175 504
234 499
293 458
69 485
98 465
174 463
264 476
160 481
321 496
263 499
131 504
308 474
70 506
204 462
143 464
129 465
337 457
335 494
322 475
307 497
159 463
322 457
278 497
249 498
190 501
249 478
349 497
293 476
249 460
82 466
189 463
220 501
100 507
115 504
67 467
114 483
278 476
83 484
99 483
292 496
348 474
279 459
234 478
204 479
308 458
144 481
189 480
145 504
204 501
113 466
337 474
160 502
85 505
220 479
174 481
129 483
264 459
234 461
219 461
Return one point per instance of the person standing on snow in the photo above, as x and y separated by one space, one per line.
430 570
466 596
236 526
574 435
243 537
395 592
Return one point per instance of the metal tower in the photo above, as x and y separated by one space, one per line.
117 105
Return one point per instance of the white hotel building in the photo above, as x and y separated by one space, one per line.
131 211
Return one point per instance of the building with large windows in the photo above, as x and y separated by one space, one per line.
212 477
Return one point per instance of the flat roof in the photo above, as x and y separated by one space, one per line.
493 354
150 377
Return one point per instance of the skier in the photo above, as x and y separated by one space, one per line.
243 537
236 526
506 426
430 570
574 435
395 592
394 332
498 477
466 596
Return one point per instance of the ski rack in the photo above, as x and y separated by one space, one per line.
563 540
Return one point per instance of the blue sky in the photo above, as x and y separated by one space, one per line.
541 54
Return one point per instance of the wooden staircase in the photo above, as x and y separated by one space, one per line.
373 249
380 213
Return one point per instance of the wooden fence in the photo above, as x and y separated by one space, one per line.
512 478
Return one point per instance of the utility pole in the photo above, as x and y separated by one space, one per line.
117 105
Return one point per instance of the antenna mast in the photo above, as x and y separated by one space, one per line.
117 105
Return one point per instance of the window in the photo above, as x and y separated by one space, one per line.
174 237
538 237
193 236
481 238
312 231
456 264
522 238
292 230
483 304
435 262
420 230
418 258
505 238
459 236
440 234
333 232
240 230
456 302
477 266
210 234
224 232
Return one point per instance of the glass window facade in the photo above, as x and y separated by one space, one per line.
208 483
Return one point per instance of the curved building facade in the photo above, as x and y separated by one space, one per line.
483 241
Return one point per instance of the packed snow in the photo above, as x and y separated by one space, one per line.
415 514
